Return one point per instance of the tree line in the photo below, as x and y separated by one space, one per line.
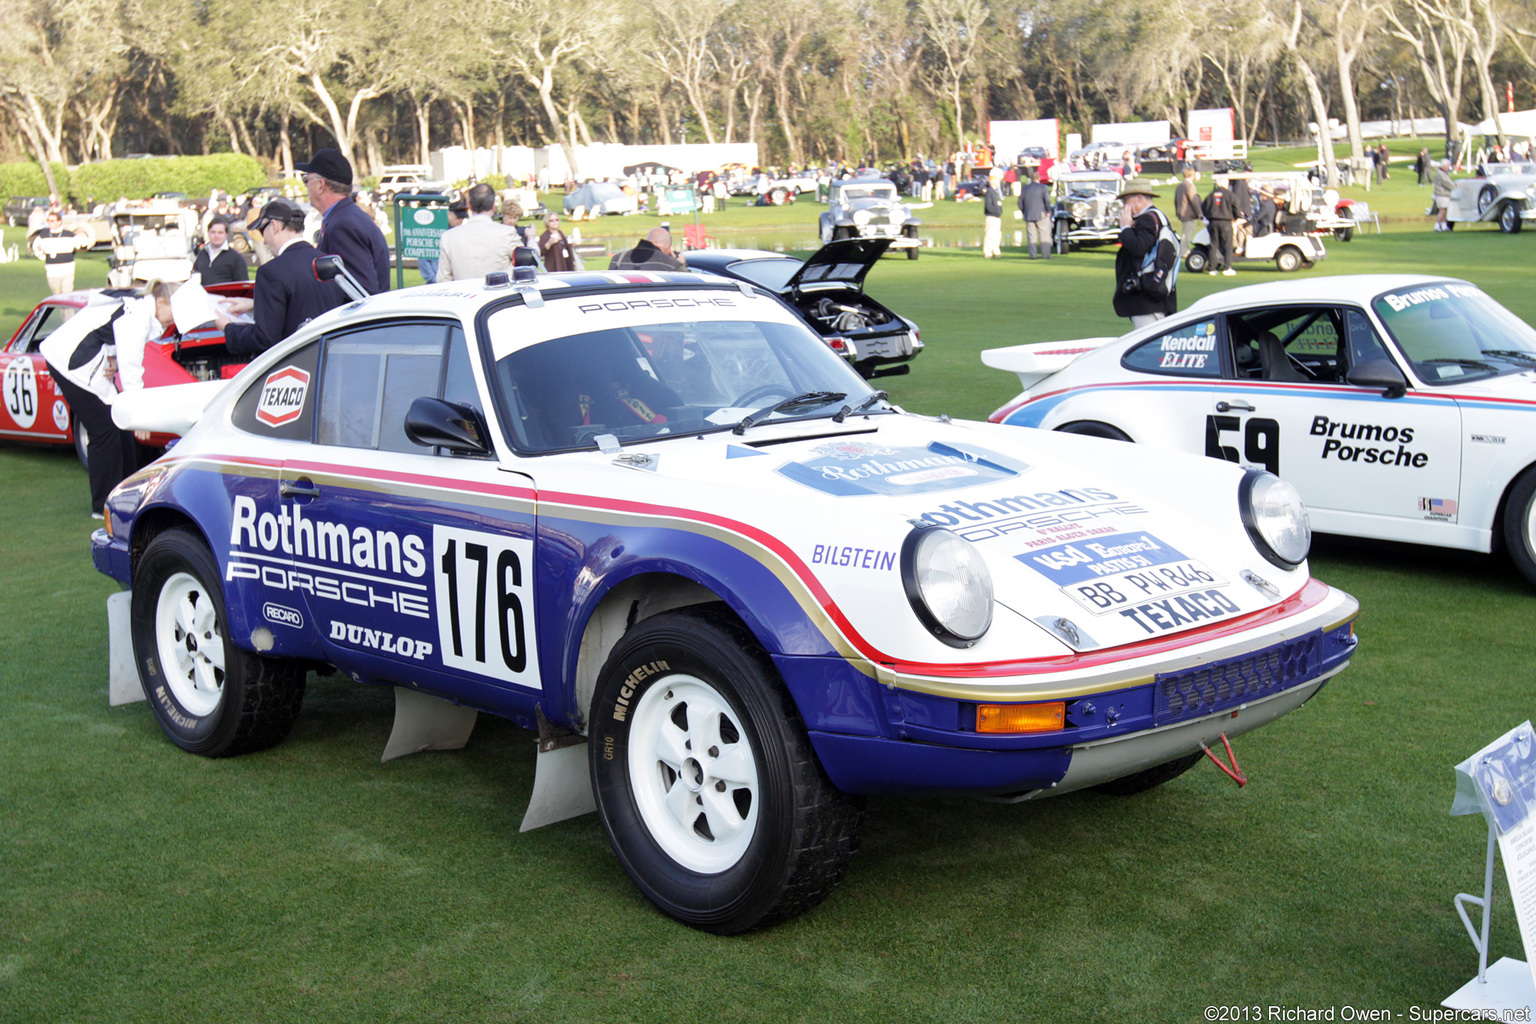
810 81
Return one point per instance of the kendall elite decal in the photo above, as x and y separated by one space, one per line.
850 467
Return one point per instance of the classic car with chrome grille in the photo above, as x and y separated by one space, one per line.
654 520
869 207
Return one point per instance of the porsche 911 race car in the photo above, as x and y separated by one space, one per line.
34 410
654 518
1395 404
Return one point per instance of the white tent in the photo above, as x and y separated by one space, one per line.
1519 123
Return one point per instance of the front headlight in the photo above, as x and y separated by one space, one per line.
1275 517
861 217
948 584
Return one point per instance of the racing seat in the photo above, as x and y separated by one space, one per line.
1277 365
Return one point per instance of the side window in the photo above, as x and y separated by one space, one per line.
282 403
1187 351
458 378
1289 344
370 377
42 324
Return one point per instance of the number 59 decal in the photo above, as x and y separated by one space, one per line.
1260 437
484 590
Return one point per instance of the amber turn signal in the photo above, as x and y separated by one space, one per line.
1021 717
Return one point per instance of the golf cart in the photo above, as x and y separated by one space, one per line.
151 240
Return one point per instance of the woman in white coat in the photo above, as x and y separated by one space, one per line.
84 354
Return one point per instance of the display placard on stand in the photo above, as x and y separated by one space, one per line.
1499 782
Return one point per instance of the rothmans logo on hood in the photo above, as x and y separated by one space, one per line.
851 467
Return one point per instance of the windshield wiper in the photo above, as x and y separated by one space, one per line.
846 411
1509 353
808 398
1476 363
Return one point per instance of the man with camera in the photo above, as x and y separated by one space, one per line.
1141 226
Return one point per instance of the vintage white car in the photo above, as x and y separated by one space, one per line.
1505 196
869 207
1396 405
653 518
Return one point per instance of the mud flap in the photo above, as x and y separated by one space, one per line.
123 686
562 778
427 723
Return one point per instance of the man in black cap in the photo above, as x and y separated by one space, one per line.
287 294
345 230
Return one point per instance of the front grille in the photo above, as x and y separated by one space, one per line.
1226 684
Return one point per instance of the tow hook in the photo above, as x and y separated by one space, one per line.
1234 772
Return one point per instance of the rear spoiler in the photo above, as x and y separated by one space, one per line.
1034 363
166 410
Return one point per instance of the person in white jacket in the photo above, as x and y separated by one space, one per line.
84 355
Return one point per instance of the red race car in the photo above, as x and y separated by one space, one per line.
32 409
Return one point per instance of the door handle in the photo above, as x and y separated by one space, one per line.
1229 406
303 487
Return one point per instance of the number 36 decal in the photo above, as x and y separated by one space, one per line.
484 584
1260 438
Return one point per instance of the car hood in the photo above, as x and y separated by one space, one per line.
1061 521
845 261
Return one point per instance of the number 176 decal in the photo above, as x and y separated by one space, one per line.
1260 438
484 591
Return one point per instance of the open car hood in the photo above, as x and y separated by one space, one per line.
845 261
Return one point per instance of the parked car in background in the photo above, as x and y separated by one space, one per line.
598 198
1400 407
19 208
827 290
1506 196
733 589
409 178
32 409
869 207
1086 209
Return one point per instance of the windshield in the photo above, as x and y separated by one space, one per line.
655 380
1452 333
851 192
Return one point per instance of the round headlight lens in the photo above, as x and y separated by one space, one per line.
861 217
1276 519
948 584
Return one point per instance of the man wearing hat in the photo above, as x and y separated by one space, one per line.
1140 225
345 230
287 294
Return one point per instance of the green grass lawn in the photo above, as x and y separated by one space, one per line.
312 882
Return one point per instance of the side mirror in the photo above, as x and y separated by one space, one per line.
1379 373
434 423
330 268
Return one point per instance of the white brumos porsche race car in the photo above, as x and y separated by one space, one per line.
654 518
1396 405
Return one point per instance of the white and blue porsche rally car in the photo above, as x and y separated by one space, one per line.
654 518
1397 405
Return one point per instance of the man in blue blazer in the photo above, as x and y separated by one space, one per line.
287 293
345 229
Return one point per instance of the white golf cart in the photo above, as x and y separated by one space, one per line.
1305 215
150 240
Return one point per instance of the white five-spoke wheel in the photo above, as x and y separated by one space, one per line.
209 696
190 640
705 780
696 783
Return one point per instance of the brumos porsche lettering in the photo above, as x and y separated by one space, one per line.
293 534
1338 431
379 640
1161 616
1403 300
857 558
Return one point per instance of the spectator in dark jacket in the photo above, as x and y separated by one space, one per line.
216 261
1140 225
1186 207
287 293
1220 210
345 229
1035 205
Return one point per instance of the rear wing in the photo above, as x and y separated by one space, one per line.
165 410
1034 363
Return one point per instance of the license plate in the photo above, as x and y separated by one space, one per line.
1129 589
